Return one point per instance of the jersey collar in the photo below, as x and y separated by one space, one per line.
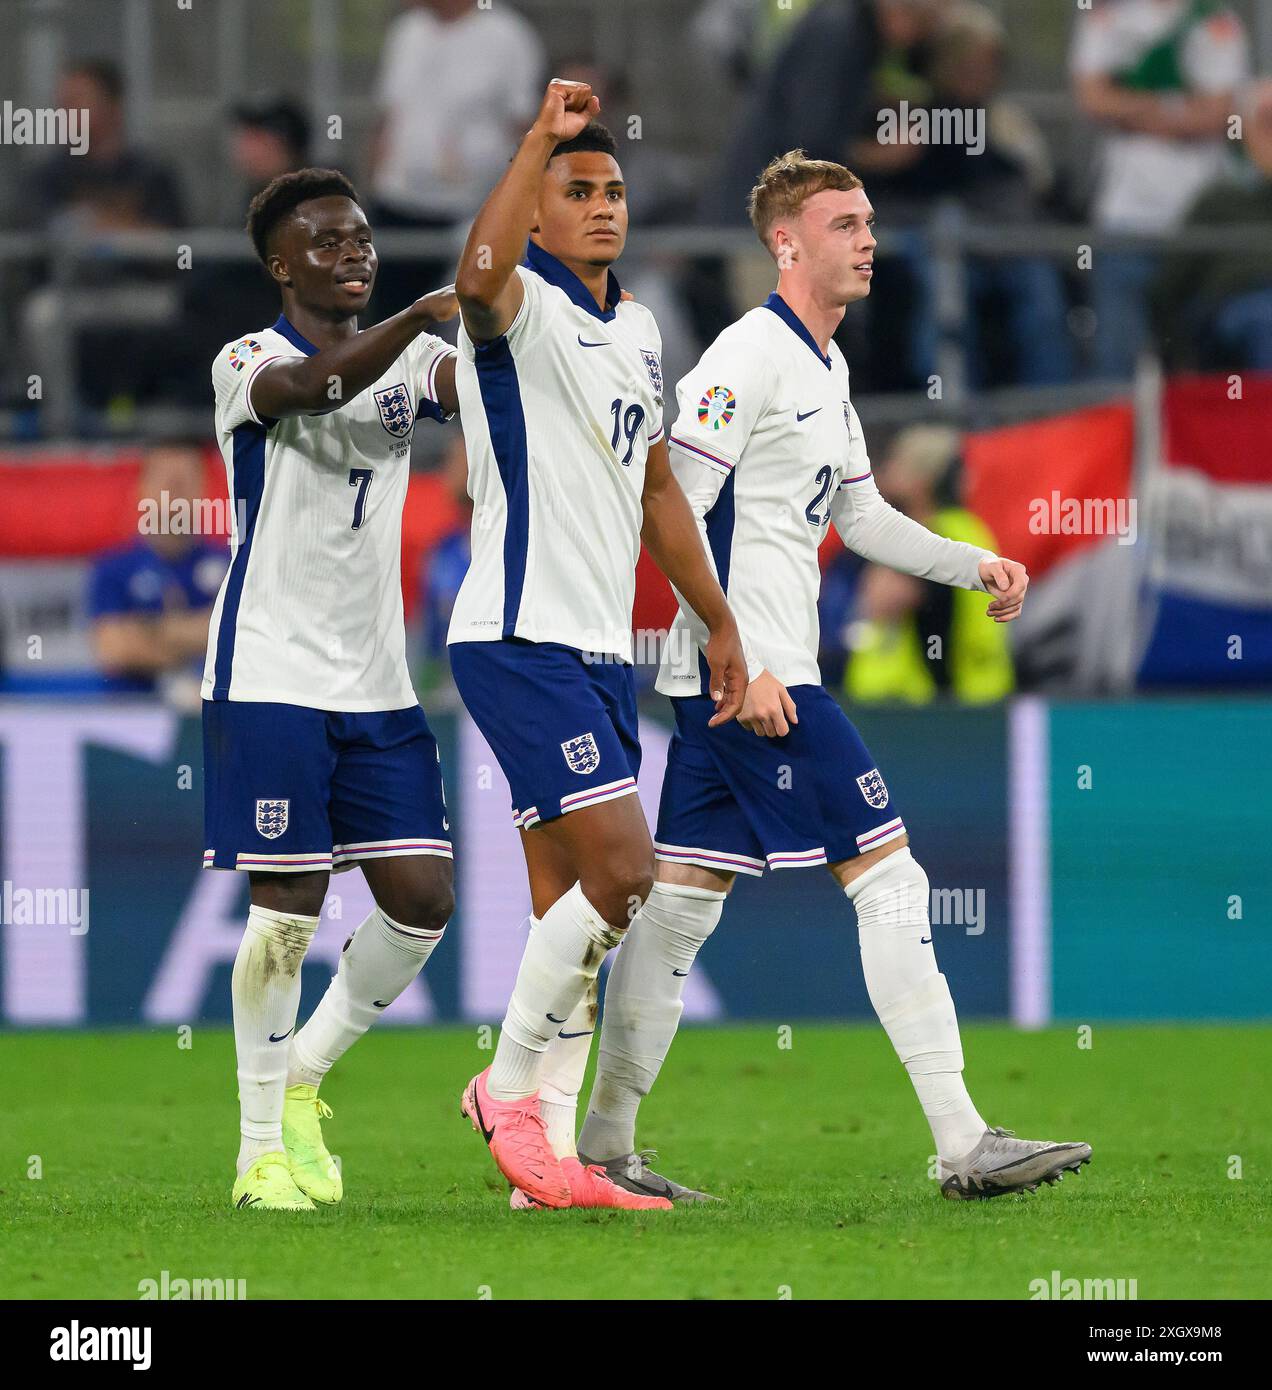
294 336
557 273
793 321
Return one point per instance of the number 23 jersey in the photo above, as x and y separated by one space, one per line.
770 454
310 612
559 414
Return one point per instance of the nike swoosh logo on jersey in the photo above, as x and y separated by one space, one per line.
586 1034
603 343
807 414
272 1038
551 1019
679 972
923 940
382 1003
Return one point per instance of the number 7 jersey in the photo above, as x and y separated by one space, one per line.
310 611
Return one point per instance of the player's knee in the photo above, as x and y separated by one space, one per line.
299 896
618 887
426 909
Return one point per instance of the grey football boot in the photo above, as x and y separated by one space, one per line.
1001 1163
632 1173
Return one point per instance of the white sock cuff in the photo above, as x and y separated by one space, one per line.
284 928
590 921
686 890
413 940
269 915
887 867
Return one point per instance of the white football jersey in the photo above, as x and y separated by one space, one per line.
769 451
558 417
310 612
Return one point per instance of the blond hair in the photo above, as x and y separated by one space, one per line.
787 183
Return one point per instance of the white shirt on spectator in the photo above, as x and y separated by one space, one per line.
1146 183
453 96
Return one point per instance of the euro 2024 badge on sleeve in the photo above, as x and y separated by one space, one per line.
716 408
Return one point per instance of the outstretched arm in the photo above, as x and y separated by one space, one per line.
489 289
324 382
878 532
672 537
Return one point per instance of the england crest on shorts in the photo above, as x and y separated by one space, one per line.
654 367
873 789
581 754
271 818
396 414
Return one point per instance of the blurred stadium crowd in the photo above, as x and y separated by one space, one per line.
1103 216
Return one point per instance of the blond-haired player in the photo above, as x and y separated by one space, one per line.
769 451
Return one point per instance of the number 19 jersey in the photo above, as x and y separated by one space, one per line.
559 414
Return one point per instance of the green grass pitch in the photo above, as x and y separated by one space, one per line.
819 1148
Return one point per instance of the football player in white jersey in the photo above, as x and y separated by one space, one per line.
560 383
769 451
317 755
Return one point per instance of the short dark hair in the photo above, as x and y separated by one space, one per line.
594 137
102 71
286 193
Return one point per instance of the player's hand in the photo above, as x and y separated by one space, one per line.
768 710
567 108
1006 581
728 673
438 305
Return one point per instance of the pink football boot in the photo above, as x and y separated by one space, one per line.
589 1187
518 1141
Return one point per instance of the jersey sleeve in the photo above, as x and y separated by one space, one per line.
1097 48
720 402
234 369
423 357
1217 53
535 314
701 462
657 423
876 531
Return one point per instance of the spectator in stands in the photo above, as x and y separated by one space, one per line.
113 184
150 600
842 62
743 35
911 639
1213 311
269 136
459 85
1160 77
1015 331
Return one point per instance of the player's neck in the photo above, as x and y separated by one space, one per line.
320 329
595 279
820 319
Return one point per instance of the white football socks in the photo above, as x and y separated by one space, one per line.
562 958
564 1064
265 989
643 1004
912 997
379 960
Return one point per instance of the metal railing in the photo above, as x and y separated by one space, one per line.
47 327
